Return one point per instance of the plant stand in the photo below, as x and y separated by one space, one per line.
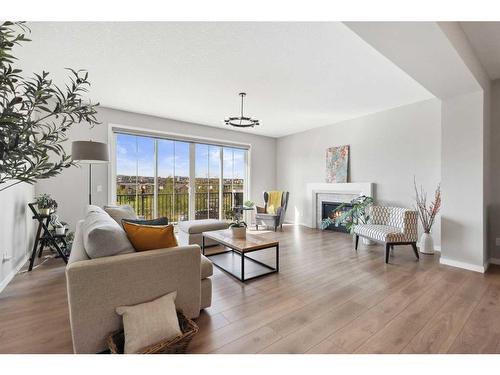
47 238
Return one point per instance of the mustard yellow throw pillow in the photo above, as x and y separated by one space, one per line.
149 237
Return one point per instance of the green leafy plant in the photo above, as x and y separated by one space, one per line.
249 204
45 201
35 115
237 221
359 213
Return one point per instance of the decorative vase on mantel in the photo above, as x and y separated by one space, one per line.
426 243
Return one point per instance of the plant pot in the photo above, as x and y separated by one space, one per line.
239 232
426 244
44 211
60 230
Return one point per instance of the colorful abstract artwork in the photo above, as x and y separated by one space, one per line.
337 161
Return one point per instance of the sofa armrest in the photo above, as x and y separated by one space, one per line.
97 286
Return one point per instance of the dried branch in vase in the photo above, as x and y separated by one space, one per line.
427 214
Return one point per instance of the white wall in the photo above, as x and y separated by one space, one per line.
463 201
387 148
70 189
17 232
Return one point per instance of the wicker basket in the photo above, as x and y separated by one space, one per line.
177 345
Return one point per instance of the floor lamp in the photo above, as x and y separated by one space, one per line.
89 152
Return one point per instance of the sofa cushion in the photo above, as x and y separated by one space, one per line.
199 226
207 269
384 233
103 236
78 252
118 213
150 237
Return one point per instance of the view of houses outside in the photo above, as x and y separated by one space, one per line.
135 181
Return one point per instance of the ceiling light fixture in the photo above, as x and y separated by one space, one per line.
241 121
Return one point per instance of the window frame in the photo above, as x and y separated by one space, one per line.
114 129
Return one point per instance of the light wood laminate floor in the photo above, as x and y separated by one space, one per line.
326 299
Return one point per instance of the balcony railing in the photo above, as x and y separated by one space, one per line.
175 206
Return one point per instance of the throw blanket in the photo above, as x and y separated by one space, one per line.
274 201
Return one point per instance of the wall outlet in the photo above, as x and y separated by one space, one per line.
497 241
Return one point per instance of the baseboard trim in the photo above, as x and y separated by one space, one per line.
13 273
495 261
466 266
437 249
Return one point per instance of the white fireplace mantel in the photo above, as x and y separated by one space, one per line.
344 193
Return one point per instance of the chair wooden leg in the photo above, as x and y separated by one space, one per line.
256 227
356 243
387 251
415 250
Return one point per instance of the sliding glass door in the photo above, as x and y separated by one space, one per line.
234 172
135 173
177 179
172 199
207 181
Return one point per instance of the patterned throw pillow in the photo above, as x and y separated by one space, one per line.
159 221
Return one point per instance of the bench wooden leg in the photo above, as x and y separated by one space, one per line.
387 251
415 250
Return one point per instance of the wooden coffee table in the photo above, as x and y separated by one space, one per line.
237 258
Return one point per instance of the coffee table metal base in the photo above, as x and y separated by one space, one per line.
218 261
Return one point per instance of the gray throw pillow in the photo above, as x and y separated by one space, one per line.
102 236
118 213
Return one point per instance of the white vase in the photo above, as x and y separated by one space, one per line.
239 232
426 244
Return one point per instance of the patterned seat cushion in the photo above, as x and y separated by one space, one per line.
384 233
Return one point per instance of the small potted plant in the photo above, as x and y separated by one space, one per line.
238 226
59 226
248 204
46 205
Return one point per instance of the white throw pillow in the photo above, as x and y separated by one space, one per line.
102 236
149 323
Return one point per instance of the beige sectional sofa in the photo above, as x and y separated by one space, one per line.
97 286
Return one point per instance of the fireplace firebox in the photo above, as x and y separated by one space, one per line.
329 209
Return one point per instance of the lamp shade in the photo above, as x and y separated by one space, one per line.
89 152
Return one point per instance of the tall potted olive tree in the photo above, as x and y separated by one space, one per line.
36 115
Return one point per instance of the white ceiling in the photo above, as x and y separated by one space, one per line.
485 37
297 75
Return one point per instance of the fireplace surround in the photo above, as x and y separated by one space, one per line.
316 193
